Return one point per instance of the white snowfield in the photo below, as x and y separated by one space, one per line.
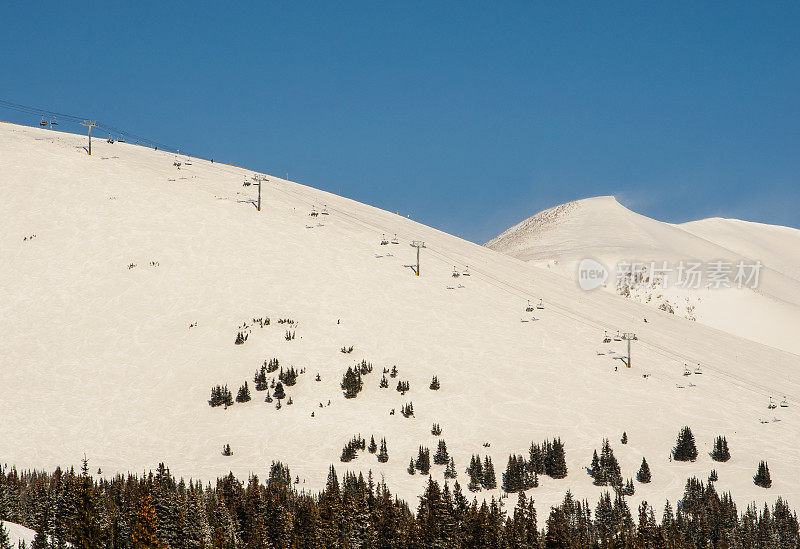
18 534
98 358
602 229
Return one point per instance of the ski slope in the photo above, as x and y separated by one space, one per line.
18 534
99 358
603 229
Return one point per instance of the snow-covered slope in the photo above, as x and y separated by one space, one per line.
776 246
18 534
602 229
97 355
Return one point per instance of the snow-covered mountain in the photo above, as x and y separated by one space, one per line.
602 229
125 280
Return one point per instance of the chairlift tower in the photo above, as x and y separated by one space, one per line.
90 124
417 244
629 337
258 178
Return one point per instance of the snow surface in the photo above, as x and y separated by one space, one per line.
98 358
603 229
18 533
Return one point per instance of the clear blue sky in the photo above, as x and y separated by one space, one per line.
469 115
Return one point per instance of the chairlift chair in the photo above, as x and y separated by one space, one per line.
771 404
54 122
43 122
246 184
314 212
456 274
324 210
686 371
466 271
540 305
384 242
110 139
121 137
698 370
784 403
606 339
617 337
529 308
394 240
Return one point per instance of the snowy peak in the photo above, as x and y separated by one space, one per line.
602 229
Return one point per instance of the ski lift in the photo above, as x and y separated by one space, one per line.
784 403
324 210
686 371
466 271
314 212
110 139
529 308
771 405
606 339
384 242
121 137
394 240
246 183
698 370
456 274
54 122
43 123
617 337
540 305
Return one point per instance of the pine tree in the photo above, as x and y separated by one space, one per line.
279 392
644 472
226 450
713 476
423 463
434 386
489 476
383 454
720 451
762 477
352 383
412 468
624 439
244 393
5 541
685 449
556 462
86 529
450 471
384 384
372 448
441 457
475 472
595 464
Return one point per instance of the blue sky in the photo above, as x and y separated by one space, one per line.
470 116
